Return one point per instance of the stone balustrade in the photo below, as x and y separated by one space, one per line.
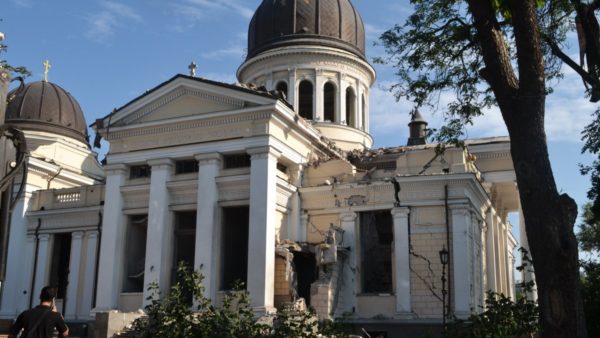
86 196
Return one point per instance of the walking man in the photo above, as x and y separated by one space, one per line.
41 321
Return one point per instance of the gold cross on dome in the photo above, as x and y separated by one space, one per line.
47 67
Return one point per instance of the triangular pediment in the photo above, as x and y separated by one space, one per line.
183 97
183 102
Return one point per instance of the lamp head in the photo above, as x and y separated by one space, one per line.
444 256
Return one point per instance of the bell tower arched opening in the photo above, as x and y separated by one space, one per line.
329 98
350 107
306 99
282 87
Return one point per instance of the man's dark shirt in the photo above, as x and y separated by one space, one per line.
46 327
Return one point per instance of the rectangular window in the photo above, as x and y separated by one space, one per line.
376 250
236 161
135 253
186 167
282 168
185 240
234 244
59 266
140 171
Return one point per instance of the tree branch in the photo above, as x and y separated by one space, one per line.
499 72
530 56
571 63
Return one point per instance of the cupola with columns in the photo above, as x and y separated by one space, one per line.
313 52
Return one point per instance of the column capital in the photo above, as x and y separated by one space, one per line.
161 163
44 237
400 212
460 209
77 234
115 169
91 234
209 158
263 152
348 216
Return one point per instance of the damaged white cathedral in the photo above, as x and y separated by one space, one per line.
272 181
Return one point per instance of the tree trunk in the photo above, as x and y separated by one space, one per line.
549 219
549 216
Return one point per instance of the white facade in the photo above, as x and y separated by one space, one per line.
233 180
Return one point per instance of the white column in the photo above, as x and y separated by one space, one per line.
15 290
367 110
528 274
498 253
490 254
350 287
460 260
89 276
23 302
74 273
319 95
293 89
341 106
402 261
502 254
261 241
357 120
42 273
159 241
206 234
296 224
112 242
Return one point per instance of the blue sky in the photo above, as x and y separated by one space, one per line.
108 52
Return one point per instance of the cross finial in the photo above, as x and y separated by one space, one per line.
47 67
192 67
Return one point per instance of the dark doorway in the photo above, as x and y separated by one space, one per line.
185 240
234 244
59 268
306 272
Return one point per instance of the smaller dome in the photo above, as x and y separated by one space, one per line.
44 106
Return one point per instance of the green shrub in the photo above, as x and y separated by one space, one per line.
172 315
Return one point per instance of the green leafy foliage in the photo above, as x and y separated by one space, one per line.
589 241
172 315
437 55
589 230
502 317
590 290
22 71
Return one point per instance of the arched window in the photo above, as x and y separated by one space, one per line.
282 87
363 111
305 99
329 102
350 107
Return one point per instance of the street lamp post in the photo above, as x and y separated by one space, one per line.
444 256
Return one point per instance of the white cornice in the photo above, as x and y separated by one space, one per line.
46 168
191 122
195 86
318 52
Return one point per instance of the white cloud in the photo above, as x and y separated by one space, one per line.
103 25
199 10
23 3
568 111
236 52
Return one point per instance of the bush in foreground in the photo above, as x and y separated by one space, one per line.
173 316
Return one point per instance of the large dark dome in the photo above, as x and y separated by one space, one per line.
44 106
332 23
